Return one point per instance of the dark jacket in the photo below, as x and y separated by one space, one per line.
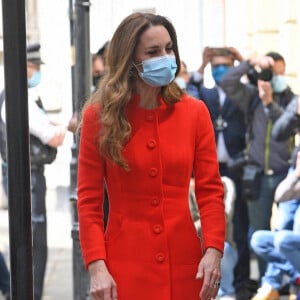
235 129
264 151
2 130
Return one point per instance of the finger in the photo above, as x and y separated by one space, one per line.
207 289
209 292
204 293
107 294
199 274
114 291
214 293
96 295
216 289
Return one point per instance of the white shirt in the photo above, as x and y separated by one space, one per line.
223 155
39 124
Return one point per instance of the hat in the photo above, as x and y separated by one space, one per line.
33 54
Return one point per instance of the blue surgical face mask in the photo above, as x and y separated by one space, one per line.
278 83
218 72
159 71
35 79
180 82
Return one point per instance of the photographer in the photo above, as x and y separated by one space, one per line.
230 128
262 102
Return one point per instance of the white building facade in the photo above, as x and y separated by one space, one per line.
252 26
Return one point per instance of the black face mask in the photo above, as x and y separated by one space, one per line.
96 80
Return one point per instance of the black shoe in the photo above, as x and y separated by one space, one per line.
284 290
7 296
252 285
244 294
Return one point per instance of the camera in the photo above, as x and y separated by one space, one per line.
220 52
256 73
251 182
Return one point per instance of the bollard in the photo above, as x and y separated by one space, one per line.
80 275
81 89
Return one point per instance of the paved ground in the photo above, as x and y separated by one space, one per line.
59 274
58 281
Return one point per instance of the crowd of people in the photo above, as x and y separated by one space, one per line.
255 116
252 113
150 131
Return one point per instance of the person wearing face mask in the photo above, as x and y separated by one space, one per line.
48 133
53 135
144 137
230 128
98 71
262 103
288 124
98 65
183 76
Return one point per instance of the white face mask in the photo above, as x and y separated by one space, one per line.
278 83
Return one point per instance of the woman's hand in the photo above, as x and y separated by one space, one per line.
210 270
102 285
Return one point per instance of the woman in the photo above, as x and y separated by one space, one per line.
144 138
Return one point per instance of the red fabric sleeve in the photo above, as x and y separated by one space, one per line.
90 189
209 189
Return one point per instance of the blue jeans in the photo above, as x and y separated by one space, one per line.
4 276
228 263
240 232
277 247
287 243
286 217
260 210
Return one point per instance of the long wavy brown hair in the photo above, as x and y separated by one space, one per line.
118 85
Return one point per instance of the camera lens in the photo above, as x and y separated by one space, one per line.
265 74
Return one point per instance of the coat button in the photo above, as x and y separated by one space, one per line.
153 172
154 201
151 144
160 257
150 117
157 229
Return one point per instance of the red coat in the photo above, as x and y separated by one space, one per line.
150 246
